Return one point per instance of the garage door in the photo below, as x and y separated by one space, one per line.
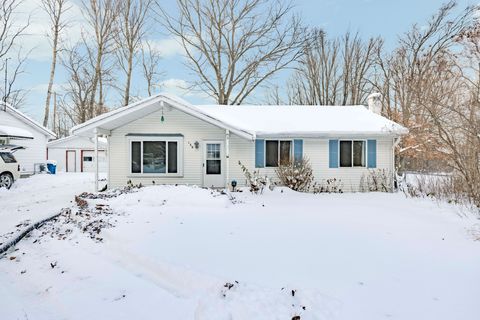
88 161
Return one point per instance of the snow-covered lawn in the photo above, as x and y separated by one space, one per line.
171 250
39 197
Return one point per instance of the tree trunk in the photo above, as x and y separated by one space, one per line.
52 76
129 78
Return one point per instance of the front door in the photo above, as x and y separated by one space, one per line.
71 164
213 175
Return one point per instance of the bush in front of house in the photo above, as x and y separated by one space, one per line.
332 185
377 180
297 175
255 181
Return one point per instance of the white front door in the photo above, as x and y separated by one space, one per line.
71 158
213 171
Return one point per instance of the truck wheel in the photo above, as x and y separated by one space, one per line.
6 180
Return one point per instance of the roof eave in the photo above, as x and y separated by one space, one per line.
88 128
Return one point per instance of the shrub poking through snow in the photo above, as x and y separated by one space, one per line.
376 180
297 175
441 187
255 181
332 185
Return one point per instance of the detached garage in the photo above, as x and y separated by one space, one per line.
77 154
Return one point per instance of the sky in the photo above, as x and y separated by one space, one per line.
385 18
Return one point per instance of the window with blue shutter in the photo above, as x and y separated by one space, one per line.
372 153
259 153
333 153
297 150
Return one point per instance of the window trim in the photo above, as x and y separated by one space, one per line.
278 152
365 155
166 139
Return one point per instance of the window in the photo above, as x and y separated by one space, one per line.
87 159
155 156
352 153
7 157
214 163
276 152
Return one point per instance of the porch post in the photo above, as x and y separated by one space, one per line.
96 161
227 158
108 160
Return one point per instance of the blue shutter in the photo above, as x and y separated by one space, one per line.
259 153
372 153
297 150
333 153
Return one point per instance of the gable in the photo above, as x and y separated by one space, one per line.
15 118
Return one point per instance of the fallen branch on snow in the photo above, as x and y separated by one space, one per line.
21 235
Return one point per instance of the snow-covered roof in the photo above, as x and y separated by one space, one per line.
77 141
251 121
304 121
14 133
26 119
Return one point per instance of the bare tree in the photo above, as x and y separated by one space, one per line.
406 76
101 15
13 94
131 26
55 10
233 47
10 29
76 102
150 66
334 71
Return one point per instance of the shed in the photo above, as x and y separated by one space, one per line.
77 154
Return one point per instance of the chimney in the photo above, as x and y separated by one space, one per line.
375 102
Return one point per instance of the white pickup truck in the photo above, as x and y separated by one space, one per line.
9 167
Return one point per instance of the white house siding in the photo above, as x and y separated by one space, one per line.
36 148
317 150
241 149
192 129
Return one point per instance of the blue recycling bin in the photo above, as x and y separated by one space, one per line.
52 167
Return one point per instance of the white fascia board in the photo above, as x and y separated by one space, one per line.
320 135
26 119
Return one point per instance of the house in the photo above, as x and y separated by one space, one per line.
18 128
77 154
166 140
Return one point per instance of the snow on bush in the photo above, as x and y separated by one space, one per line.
297 175
255 181
376 180
332 185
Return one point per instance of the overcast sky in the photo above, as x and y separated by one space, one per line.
386 18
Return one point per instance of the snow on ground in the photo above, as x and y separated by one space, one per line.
190 253
40 196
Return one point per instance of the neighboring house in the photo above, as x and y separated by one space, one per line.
166 140
17 128
77 154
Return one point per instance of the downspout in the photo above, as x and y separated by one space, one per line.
227 158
